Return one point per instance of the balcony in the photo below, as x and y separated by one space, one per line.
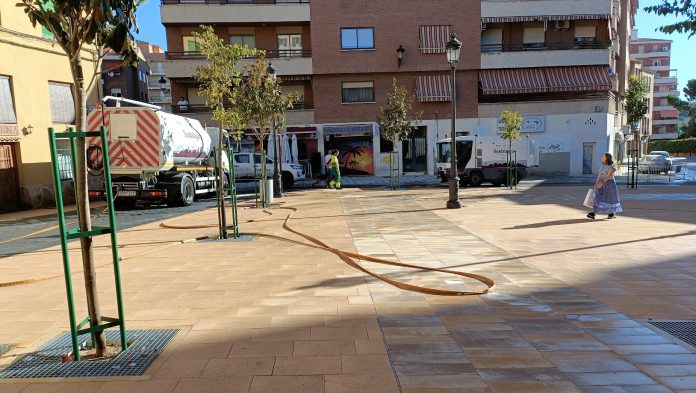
157 86
301 114
155 99
664 122
665 135
544 54
666 81
234 11
647 55
661 108
658 94
286 62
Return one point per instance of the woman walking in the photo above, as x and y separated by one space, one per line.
606 199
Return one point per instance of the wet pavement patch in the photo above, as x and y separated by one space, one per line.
683 330
47 362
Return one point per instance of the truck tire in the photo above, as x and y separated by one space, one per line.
288 180
185 193
475 178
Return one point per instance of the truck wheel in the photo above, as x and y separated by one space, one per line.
186 192
475 179
288 180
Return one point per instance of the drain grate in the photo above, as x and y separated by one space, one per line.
683 330
5 348
145 346
241 238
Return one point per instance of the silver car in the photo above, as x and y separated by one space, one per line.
654 163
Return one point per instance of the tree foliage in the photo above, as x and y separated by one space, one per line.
219 76
512 122
688 108
636 105
685 10
396 119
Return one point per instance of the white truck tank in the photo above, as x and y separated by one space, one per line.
145 139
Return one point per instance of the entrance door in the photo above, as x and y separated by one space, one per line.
588 149
414 151
9 181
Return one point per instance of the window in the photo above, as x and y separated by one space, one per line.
352 92
385 145
492 40
64 153
656 63
116 92
190 44
357 38
641 49
433 38
585 35
243 39
257 159
62 103
242 159
664 102
289 45
7 112
534 37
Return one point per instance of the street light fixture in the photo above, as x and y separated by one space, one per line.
277 185
400 54
163 83
453 49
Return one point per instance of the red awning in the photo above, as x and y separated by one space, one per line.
434 38
433 88
580 78
513 81
541 18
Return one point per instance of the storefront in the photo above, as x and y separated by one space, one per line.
355 143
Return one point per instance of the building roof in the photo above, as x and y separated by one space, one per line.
648 40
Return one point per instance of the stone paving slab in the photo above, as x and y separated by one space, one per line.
267 316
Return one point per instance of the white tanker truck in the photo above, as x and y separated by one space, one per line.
155 156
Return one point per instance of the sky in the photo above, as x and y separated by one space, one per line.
151 30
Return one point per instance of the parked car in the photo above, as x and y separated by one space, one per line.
654 163
246 167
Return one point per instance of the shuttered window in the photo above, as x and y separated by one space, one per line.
62 103
7 112
358 92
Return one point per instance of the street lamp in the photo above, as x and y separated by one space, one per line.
277 186
163 83
400 54
453 47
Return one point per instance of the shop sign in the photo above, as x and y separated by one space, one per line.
348 129
529 124
9 130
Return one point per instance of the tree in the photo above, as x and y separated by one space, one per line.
260 104
685 9
636 105
688 108
218 78
75 25
512 122
396 119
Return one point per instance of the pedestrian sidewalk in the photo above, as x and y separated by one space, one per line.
273 316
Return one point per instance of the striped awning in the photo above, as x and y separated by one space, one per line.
541 80
541 18
434 38
578 78
433 88
513 81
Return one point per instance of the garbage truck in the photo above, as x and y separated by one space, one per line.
485 159
154 156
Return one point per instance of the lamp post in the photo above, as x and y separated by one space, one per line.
277 186
453 48
400 54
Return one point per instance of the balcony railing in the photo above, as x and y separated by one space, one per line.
270 54
176 2
488 48
298 106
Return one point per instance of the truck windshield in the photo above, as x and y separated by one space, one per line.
463 153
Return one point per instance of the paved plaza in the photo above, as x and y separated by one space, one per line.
568 312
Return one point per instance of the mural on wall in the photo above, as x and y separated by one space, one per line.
356 157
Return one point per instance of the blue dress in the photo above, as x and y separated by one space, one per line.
607 197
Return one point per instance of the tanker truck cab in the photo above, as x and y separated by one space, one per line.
484 159
155 156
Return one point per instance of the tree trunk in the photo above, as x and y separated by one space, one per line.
263 176
82 201
221 188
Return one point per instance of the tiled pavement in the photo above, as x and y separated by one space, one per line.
266 316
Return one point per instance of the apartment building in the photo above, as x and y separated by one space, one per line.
127 81
654 55
36 92
560 63
158 87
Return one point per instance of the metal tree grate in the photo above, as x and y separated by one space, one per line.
5 348
683 330
241 238
145 346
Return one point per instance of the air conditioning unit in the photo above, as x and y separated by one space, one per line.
562 24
